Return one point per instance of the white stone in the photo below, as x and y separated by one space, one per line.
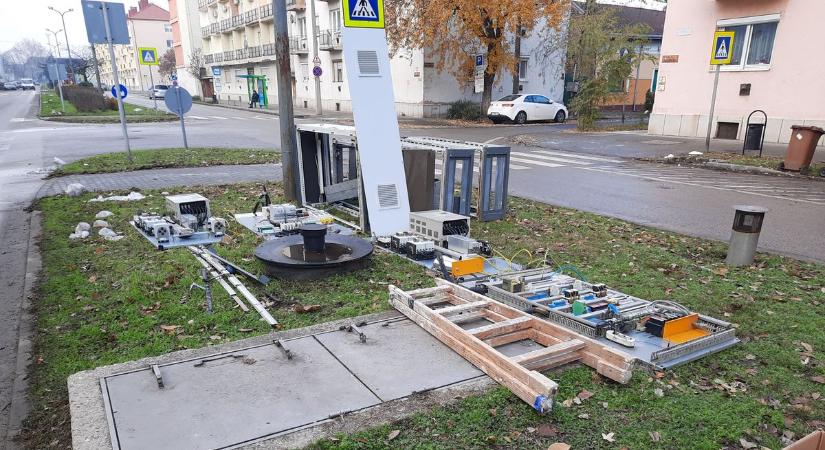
100 224
103 214
75 189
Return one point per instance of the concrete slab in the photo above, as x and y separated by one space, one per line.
398 359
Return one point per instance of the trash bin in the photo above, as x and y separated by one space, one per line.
801 147
744 236
753 136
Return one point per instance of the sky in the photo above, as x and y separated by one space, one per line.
30 18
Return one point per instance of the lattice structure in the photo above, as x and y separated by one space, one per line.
444 309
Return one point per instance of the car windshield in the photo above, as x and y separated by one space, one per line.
26 80
161 86
509 98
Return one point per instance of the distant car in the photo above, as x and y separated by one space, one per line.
159 91
27 83
10 86
521 108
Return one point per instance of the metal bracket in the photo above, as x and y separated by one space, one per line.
216 358
280 344
353 328
158 376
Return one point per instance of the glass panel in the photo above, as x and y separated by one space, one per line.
508 98
761 45
738 43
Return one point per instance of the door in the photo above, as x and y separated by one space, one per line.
545 108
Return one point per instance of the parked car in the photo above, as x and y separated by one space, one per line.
10 86
27 83
159 91
520 108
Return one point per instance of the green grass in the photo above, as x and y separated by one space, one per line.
103 303
777 304
168 157
50 108
770 162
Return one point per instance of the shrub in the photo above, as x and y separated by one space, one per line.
196 98
85 99
85 84
649 98
111 103
465 109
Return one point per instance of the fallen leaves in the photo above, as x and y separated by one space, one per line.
609 437
170 329
559 446
547 430
393 434
302 309
746 443
818 379
655 436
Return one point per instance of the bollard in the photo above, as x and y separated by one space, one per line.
747 224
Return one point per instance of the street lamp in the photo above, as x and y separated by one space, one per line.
56 42
65 34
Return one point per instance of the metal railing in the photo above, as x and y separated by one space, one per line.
236 21
202 4
329 40
205 31
268 49
298 44
218 57
226 25
240 53
229 55
253 52
209 59
266 11
251 16
214 28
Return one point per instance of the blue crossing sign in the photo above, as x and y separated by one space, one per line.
364 13
722 48
123 91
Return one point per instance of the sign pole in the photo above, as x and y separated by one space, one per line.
152 87
712 107
120 109
180 111
315 59
60 89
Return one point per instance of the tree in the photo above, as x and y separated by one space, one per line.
603 54
83 63
452 32
18 59
196 63
167 63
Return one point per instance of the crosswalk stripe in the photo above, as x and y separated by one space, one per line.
517 167
555 158
572 155
537 163
259 118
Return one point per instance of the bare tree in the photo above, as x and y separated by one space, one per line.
18 59
196 63
167 63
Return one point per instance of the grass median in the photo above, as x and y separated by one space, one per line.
168 158
51 109
106 302
766 161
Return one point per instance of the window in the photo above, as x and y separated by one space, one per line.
302 27
541 99
169 43
305 71
509 98
752 41
335 19
338 71
167 28
522 69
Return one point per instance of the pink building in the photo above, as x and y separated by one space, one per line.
778 66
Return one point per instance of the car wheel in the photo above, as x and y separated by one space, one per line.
521 118
560 117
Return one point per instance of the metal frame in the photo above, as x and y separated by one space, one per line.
764 129
463 203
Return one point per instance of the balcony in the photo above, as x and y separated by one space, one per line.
214 28
296 5
208 59
204 31
236 21
268 50
266 11
253 52
251 17
229 55
218 57
204 4
329 40
298 45
226 25
240 54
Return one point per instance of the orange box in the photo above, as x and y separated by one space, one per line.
813 441
682 330
467 266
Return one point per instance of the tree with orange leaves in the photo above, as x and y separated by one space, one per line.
454 31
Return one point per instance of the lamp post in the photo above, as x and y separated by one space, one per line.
65 33
56 42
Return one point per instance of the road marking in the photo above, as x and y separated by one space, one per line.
198 118
18 119
555 158
260 118
490 141
575 155
219 117
537 163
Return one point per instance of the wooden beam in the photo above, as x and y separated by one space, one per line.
502 339
549 352
503 327
467 307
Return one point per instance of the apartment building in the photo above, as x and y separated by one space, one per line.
186 41
777 67
238 38
148 26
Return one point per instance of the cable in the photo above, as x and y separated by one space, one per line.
573 269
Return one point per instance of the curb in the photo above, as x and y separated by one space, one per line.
737 168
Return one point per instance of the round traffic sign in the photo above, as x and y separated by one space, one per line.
317 71
174 77
178 100
123 91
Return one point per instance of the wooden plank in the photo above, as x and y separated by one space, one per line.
508 338
549 352
503 327
494 317
469 317
467 307
556 361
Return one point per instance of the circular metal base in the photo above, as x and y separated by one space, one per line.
287 257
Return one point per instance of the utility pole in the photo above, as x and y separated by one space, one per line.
65 33
315 60
638 68
56 42
286 118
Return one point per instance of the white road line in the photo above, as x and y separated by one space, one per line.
718 188
219 117
517 167
575 155
537 163
490 141
198 117
554 158
259 118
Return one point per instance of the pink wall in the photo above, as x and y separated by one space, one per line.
794 87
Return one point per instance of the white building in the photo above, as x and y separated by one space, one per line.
186 40
238 38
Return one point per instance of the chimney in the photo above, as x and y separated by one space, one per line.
143 4
132 11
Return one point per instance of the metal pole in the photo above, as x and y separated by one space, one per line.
152 88
712 107
68 50
314 32
60 88
97 66
638 67
180 114
137 60
120 109
286 118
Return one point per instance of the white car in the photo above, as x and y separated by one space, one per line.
158 91
27 83
520 108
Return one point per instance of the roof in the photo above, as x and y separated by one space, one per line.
148 11
629 15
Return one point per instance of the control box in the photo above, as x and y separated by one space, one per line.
437 225
194 205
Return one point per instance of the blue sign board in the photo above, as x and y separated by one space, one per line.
123 91
95 27
174 77
364 13
178 100
479 60
722 47
316 71
216 71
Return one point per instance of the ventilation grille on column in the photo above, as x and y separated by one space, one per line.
387 196
368 63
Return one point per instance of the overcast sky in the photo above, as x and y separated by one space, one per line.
30 18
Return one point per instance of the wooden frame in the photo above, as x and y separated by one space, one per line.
478 345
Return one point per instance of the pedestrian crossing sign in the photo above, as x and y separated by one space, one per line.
722 48
364 13
148 56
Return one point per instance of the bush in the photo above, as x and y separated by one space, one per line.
85 99
465 109
111 104
85 84
649 98
196 98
